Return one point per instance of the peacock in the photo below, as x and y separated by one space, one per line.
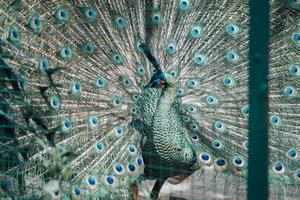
99 96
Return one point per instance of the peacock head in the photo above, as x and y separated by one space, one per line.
162 80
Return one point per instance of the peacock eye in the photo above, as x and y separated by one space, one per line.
99 147
290 91
278 168
139 162
119 169
66 125
117 101
296 37
120 22
171 48
131 168
76 192
232 57
294 70
100 82
211 100
200 58
220 164
292 154
111 182
275 121
61 15
193 83
216 144
93 122
65 53
117 59
238 161
232 29
118 131
204 158
132 150
14 35
89 14
184 4
54 102
156 18
196 31
228 81
219 126
91 182
89 48
245 110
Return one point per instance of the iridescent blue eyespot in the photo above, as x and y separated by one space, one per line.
134 110
44 64
228 81
132 150
117 101
61 15
180 91
126 82
118 131
14 35
76 191
93 122
211 100
100 82
232 29
195 136
186 118
245 110
120 21
196 31
135 97
238 161
171 48
275 120
156 18
290 91
204 158
278 168
35 23
54 102
117 59
200 58
220 162
294 70
193 83
91 181
131 168
89 14
119 169
89 48
216 144
232 56
194 126
65 53
141 71
292 154
139 161
111 182
296 37
99 147
184 4
191 109
219 126
76 87
66 125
